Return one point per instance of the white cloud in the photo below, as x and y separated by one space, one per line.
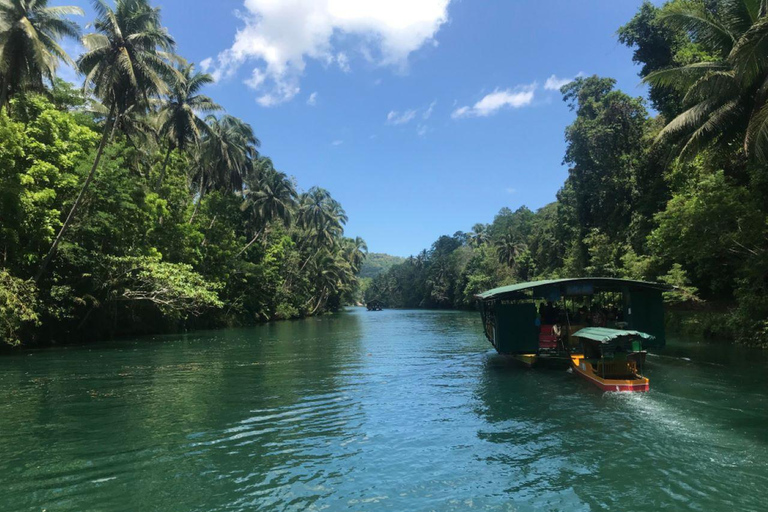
343 61
423 130
511 190
206 64
554 83
520 96
312 100
337 143
280 35
395 117
428 113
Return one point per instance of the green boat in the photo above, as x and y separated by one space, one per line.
537 321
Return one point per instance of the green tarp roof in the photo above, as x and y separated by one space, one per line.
605 335
604 282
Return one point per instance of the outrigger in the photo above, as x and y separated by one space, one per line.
600 327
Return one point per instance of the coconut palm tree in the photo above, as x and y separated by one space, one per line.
726 99
332 274
30 32
321 221
321 215
509 247
124 64
273 199
228 146
178 116
226 155
137 124
355 251
479 235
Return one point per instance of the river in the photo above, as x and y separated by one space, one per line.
393 410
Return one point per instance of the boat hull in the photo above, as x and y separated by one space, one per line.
553 360
585 370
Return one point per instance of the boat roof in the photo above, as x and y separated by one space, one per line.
514 290
605 335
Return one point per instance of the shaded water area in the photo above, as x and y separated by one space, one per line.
393 410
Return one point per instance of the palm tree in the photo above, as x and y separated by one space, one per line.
355 251
509 247
332 274
273 199
178 116
29 49
228 146
124 64
479 235
726 99
137 125
226 156
321 220
321 215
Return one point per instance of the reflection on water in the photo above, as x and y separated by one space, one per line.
393 410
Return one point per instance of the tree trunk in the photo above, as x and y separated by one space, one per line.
288 281
322 299
80 196
4 97
165 166
250 243
114 128
199 200
210 227
307 260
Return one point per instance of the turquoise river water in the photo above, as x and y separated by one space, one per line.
395 410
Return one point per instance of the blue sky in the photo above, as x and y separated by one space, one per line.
422 117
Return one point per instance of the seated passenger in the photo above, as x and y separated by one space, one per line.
549 313
598 318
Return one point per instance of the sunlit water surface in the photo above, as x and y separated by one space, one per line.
395 410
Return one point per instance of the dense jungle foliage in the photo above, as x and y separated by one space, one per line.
134 204
676 194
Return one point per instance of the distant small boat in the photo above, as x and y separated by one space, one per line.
613 359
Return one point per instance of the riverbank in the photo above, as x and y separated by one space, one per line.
158 246
710 324
154 327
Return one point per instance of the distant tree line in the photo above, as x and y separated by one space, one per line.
134 204
680 196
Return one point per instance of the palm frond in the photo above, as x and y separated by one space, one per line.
693 17
750 55
683 77
716 124
756 140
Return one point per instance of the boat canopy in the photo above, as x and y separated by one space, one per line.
568 287
605 335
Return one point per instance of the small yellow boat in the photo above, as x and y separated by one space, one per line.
611 359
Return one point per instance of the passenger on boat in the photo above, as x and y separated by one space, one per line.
550 314
598 318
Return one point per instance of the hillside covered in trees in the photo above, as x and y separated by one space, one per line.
678 194
135 204
377 263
